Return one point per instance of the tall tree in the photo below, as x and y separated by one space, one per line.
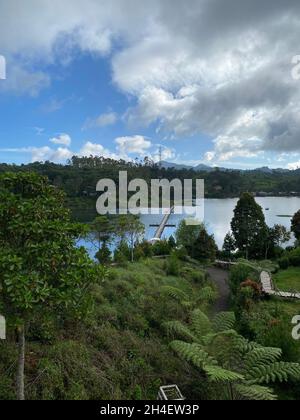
41 269
249 227
296 225
277 235
229 245
129 228
187 234
102 230
204 247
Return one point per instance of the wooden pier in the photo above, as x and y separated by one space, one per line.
162 226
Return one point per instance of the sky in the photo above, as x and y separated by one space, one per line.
209 81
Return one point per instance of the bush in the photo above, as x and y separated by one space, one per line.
198 277
238 275
172 266
291 257
294 257
122 253
104 255
284 263
161 248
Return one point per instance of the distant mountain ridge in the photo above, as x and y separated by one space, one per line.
205 168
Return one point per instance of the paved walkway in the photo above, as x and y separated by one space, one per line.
220 278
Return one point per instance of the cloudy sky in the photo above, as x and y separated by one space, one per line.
212 81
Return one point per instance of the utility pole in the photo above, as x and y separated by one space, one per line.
160 157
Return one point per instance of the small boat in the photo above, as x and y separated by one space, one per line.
267 209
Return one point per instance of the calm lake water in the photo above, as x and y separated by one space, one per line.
218 214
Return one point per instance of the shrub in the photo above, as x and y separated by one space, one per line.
172 266
198 277
284 263
161 248
239 274
104 255
294 257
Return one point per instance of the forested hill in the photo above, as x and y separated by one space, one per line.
79 178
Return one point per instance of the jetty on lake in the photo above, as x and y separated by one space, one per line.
161 227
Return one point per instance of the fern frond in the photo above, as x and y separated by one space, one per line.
262 356
218 374
174 293
208 339
176 328
244 346
193 353
255 392
207 294
224 321
278 371
200 323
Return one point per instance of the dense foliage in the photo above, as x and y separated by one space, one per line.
42 272
120 350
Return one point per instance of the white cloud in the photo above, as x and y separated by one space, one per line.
163 153
102 120
294 165
92 149
135 144
21 80
63 139
222 69
42 154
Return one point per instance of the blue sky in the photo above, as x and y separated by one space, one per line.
95 77
79 94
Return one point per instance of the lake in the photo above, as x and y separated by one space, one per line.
218 214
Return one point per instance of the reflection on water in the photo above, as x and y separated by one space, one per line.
218 214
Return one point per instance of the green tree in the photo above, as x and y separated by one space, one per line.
204 247
229 245
41 269
130 229
277 235
172 242
249 227
102 230
187 234
296 225
104 255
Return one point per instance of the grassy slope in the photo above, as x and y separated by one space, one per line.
120 352
288 279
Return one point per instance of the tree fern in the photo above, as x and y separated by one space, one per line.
274 372
175 293
200 323
180 330
218 374
262 356
225 356
255 392
195 354
207 294
224 321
